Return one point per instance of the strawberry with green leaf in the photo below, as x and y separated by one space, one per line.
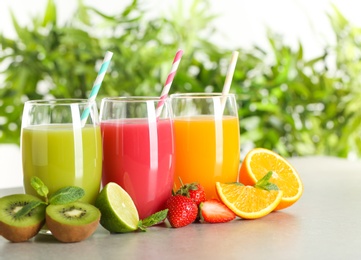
193 190
182 211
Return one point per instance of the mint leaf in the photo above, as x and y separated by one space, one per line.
236 183
152 220
269 186
39 186
265 184
28 208
66 195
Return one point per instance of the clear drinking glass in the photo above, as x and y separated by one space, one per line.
138 149
59 148
207 144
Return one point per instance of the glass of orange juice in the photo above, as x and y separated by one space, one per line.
207 145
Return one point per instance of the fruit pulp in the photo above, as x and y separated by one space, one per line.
207 151
139 156
61 155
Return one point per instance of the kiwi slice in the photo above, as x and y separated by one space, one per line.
19 229
72 222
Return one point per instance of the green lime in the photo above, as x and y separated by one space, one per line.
118 212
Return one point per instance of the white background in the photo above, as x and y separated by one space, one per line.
241 23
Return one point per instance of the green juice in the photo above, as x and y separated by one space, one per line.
62 156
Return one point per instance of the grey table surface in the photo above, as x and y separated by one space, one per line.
324 223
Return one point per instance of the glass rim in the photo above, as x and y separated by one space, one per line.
59 101
131 99
200 95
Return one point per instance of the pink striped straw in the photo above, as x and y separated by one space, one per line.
169 81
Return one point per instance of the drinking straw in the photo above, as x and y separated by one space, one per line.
229 76
96 86
169 81
230 72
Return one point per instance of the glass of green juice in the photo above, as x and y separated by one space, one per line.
61 146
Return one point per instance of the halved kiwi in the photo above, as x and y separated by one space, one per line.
72 222
19 229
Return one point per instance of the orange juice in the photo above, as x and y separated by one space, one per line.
207 151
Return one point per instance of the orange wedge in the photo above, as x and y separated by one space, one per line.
259 161
248 202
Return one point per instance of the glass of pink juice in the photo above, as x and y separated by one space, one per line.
138 150
207 145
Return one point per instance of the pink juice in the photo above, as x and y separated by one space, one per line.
140 158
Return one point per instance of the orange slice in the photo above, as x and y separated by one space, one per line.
246 201
259 161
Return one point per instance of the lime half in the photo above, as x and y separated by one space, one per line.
118 212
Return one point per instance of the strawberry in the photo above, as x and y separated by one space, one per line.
182 211
214 211
194 190
197 194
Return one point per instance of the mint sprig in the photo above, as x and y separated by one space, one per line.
265 184
152 220
66 195
28 208
39 187
62 196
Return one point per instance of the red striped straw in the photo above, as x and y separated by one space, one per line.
169 81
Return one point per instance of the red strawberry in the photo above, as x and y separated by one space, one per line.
214 211
194 191
182 211
197 194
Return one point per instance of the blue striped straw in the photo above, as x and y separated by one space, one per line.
96 86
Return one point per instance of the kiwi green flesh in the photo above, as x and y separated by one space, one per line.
77 213
24 228
73 222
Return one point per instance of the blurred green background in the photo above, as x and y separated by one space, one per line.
287 103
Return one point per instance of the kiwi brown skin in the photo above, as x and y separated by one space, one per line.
71 232
15 230
19 234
